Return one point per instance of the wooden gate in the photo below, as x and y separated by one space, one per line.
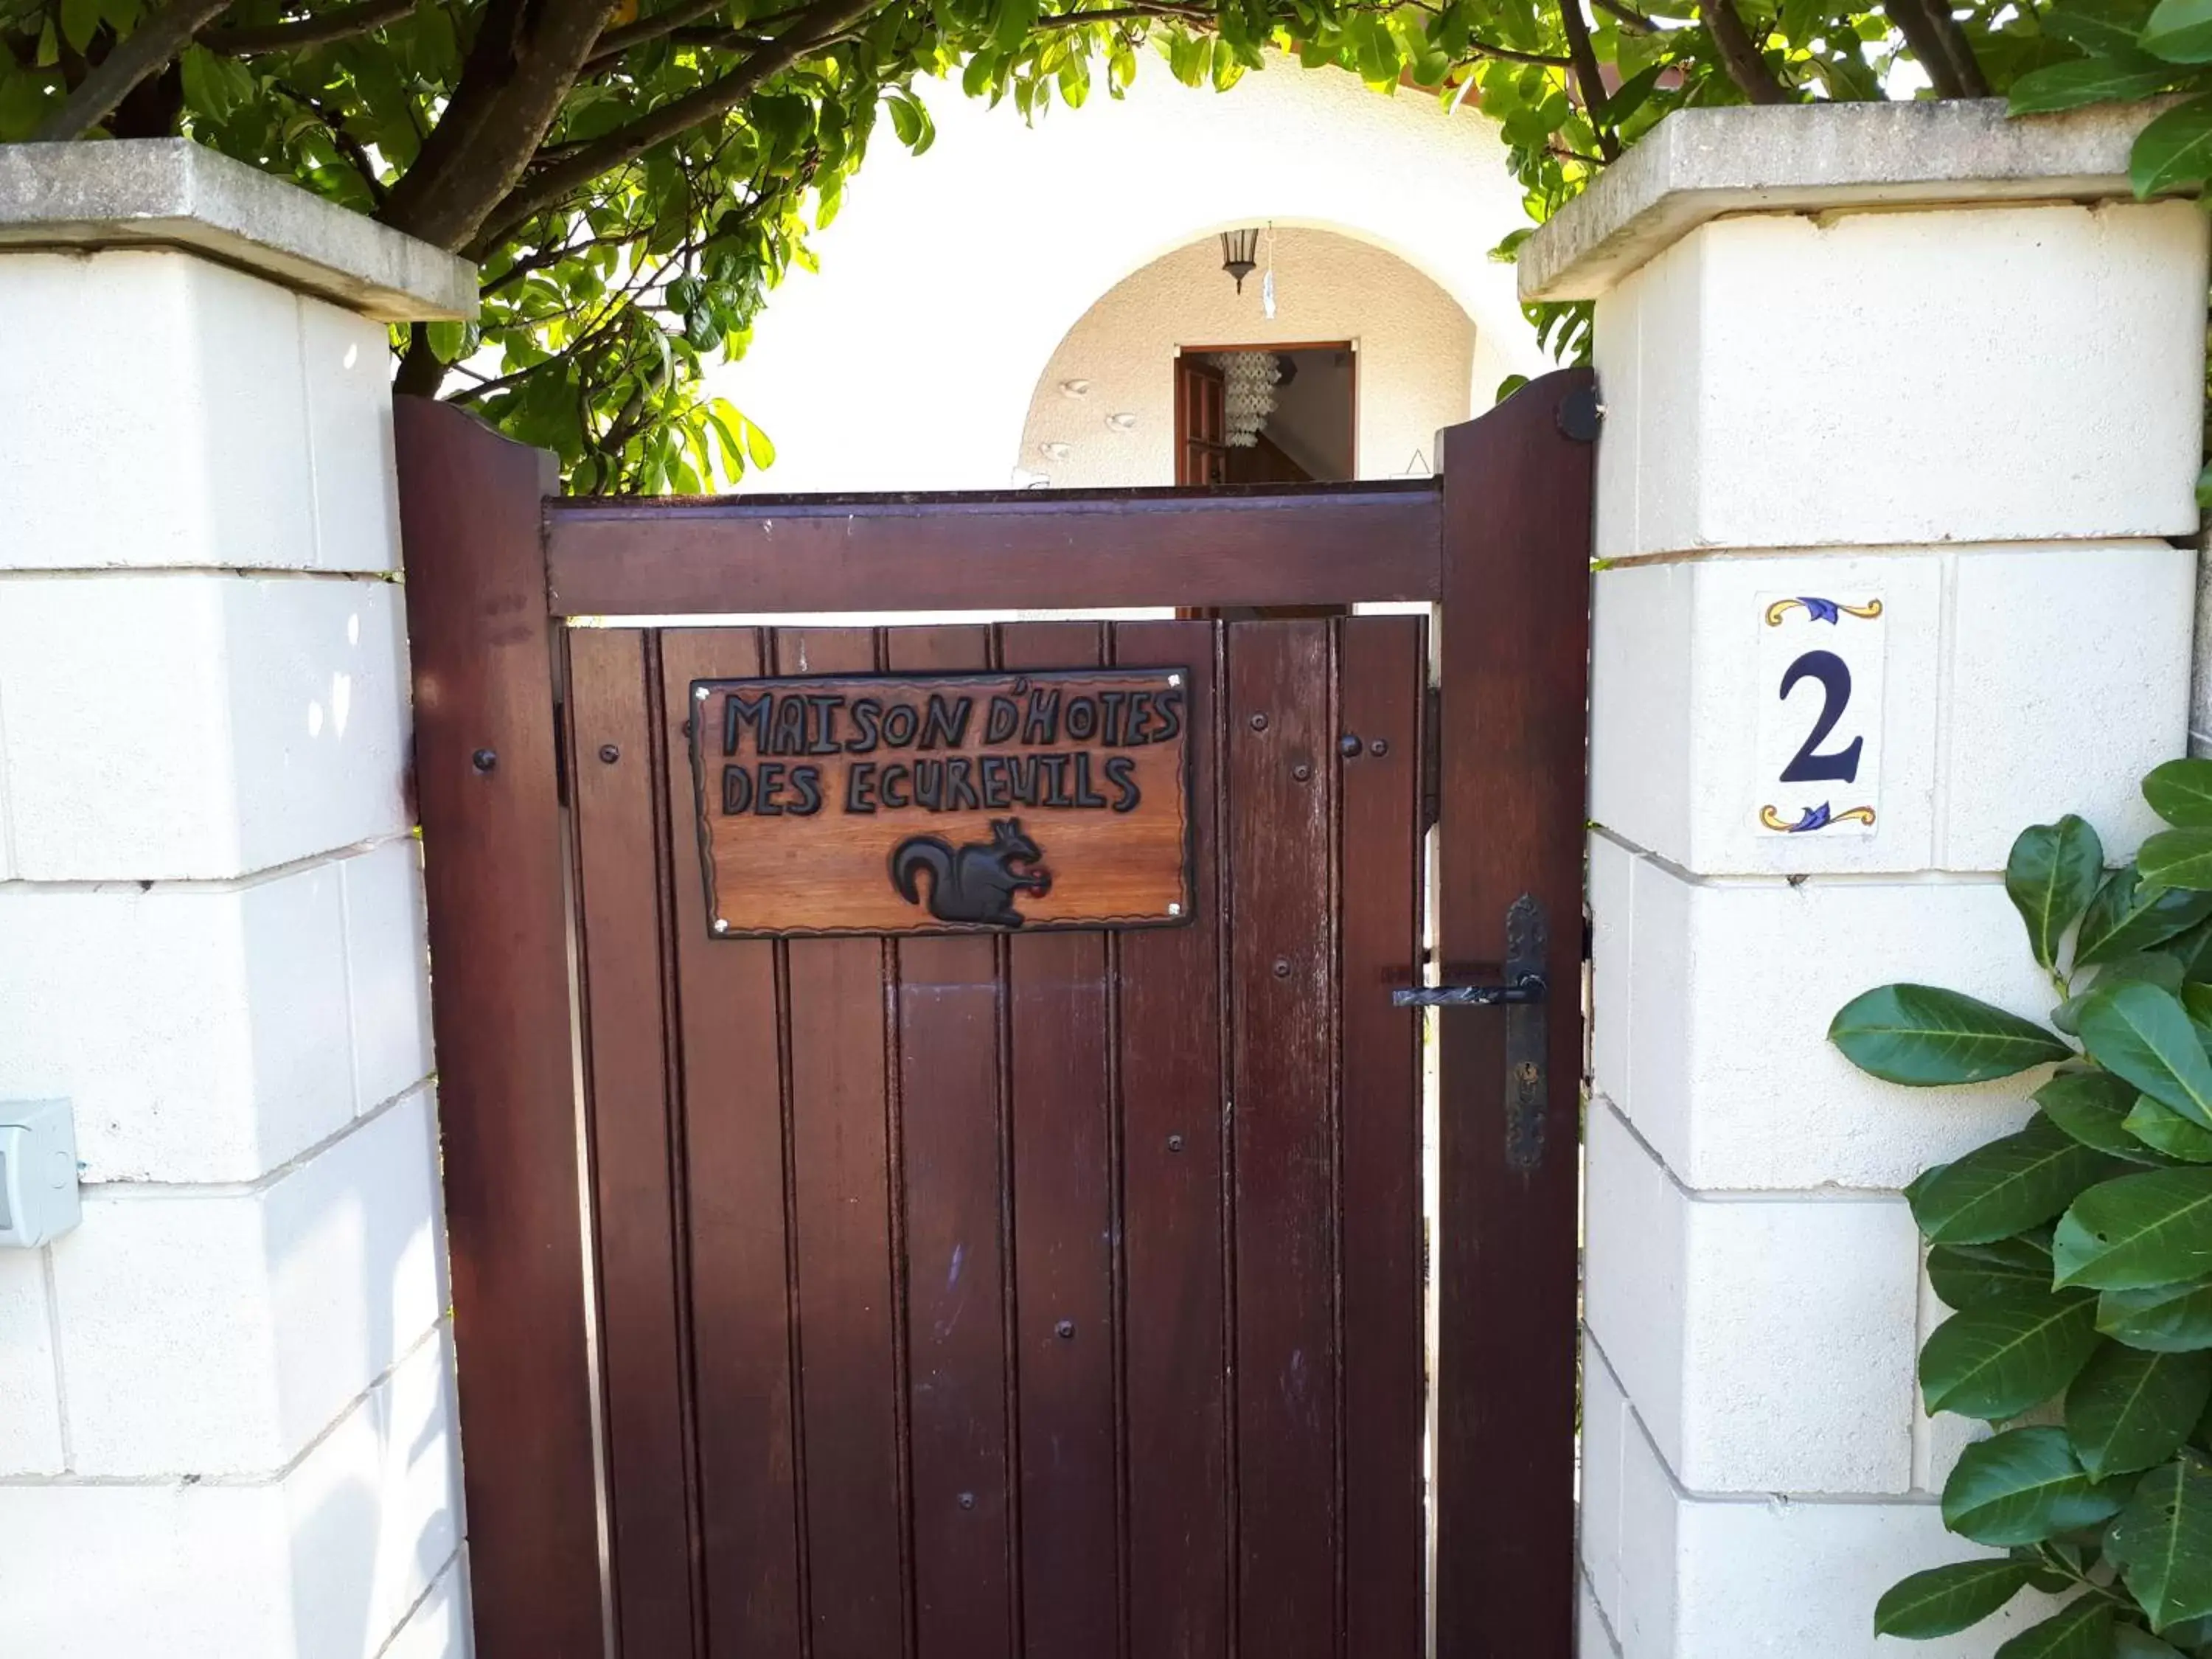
1054 1293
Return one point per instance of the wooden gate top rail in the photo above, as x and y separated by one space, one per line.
1066 550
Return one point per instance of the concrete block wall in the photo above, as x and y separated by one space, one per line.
227 1416
1831 402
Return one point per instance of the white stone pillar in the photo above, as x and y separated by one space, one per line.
226 1399
1910 353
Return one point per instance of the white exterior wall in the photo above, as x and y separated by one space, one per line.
226 1399
1415 348
2005 477
973 261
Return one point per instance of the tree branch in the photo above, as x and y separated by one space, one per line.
350 146
521 67
1917 24
361 18
554 256
1628 15
1964 64
1739 54
613 43
817 24
1587 81
157 38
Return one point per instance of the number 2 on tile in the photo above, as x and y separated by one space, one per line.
1833 676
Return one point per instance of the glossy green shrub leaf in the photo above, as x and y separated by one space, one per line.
2179 31
2162 1541
2174 152
2180 792
2141 1032
1923 1035
2126 917
2159 1127
2143 967
2053 873
1965 1275
2128 1409
2177 858
2087 81
2092 1107
2099 26
2139 1230
1945 1600
1996 1359
2008 1186
2130 1643
2081 1629
2159 1318
2021 1487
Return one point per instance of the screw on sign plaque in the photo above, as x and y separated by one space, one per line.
948 803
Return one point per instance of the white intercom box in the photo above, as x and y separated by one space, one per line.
38 1172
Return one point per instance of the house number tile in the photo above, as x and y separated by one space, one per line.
1818 755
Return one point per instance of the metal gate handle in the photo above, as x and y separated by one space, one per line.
1520 990
1528 988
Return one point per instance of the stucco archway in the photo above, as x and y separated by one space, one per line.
949 278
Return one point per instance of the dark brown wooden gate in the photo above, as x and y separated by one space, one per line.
1054 1294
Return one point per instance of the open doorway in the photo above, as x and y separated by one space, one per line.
1285 414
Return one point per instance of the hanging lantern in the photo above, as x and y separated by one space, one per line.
1248 394
1240 251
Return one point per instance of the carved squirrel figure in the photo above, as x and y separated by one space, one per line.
974 883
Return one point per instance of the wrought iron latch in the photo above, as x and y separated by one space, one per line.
1520 990
1528 988
1521 981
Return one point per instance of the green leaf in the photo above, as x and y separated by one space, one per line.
1997 1359
2087 81
2137 1232
2130 1643
2081 1629
2092 1107
2054 871
2158 1125
2180 792
2007 1186
2174 152
2159 1318
2021 1487
2126 917
2098 27
2128 1409
1925 1036
79 23
2177 858
2141 1032
1945 1600
1965 1275
2162 1541
2179 31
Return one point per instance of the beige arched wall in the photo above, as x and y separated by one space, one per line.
1415 348
949 278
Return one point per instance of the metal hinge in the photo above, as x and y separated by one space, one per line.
1432 759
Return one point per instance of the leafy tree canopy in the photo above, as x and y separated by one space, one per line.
633 175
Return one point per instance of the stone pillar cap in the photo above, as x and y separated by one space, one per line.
1698 164
173 192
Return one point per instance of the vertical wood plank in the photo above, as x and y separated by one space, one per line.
749 1450
848 1314
641 1284
1384 676
1066 1335
1282 972
951 1011
1176 1405
471 506
1515 650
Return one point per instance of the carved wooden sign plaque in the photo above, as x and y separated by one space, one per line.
944 803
